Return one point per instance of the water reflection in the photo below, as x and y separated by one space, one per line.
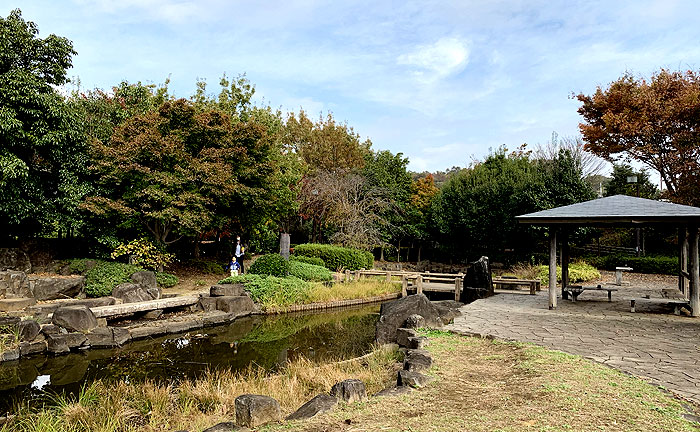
269 342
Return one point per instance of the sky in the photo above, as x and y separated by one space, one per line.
443 82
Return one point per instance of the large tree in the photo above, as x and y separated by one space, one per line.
656 122
42 150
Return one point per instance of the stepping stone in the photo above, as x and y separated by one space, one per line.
319 404
349 391
255 410
16 304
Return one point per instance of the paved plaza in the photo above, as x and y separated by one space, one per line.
652 344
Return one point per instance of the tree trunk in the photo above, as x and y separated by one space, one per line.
398 252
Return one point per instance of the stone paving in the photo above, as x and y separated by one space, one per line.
652 344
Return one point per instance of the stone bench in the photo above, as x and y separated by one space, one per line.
618 275
576 290
677 303
533 284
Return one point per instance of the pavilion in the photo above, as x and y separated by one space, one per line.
623 211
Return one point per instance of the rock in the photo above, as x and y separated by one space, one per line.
207 304
448 310
121 335
147 279
155 293
49 329
394 391
402 335
255 410
28 330
6 321
240 304
417 360
29 348
477 281
153 315
62 343
394 314
183 325
101 337
47 308
418 342
14 283
52 288
414 321
349 391
226 290
147 331
75 318
223 427
9 355
14 259
412 379
130 293
319 404
16 304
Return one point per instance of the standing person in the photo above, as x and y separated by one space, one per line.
234 266
240 250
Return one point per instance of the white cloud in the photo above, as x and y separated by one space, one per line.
445 57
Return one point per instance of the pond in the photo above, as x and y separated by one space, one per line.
266 341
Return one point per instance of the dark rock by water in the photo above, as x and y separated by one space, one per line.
319 404
226 290
477 281
402 335
394 391
131 293
417 360
349 391
28 330
255 410
52 288
393 315
75 318
414 321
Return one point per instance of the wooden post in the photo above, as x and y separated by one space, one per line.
552 268
388 276
419 284
458 286
347 275
564 263
404 285
694 273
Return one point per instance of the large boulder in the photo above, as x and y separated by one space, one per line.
131 293
14 259
319 404
28 330
75 318
349 391
227 290
255 410
147 281
14 284
239 304
62 343
448 310
394 314
417 360
477 281
52 288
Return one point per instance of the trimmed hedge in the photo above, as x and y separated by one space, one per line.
270 264
166 280
309 272
648 264
337 257
308 260
271 291
578 272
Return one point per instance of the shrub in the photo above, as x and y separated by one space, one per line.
308 260
206 266
143 253
272 291
578 272
166 280
104 276
648 264
309 272
270 264
337 257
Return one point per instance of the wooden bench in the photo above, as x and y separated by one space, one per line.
501 282
576 290
677 303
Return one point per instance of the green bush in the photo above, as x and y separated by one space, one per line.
309 272
206 266
648 264
578 272
308 260
166 280
270 264
272 291
337 257
104 276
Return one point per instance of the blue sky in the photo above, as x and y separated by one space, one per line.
442 82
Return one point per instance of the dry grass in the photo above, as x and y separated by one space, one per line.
196 405
321 293
484 385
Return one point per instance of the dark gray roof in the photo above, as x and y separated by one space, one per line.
615 210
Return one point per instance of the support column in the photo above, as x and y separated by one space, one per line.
564 263
682 258
694 272
552 268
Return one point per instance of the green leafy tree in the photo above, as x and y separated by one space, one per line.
42 150
618 184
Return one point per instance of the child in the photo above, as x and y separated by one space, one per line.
234 266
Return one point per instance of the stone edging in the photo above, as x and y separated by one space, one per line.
331 305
